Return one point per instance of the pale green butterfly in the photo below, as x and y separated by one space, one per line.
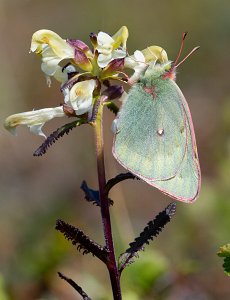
155 138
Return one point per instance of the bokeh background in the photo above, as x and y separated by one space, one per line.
182 262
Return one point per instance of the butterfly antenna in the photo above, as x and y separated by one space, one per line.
181 48
183 60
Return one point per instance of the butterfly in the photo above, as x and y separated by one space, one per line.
155 138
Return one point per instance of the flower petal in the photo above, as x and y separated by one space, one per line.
82 60
104 38
34 119
137 63
120 37
61 75
52 48
78 44
154 53
119 53
139 56
49 63
109 47
104 60
47 37
37 129
81 96
134 60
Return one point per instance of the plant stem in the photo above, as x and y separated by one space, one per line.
105 214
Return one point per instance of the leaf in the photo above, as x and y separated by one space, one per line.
75 286
85 243
65 129
120 177
225 252
152 229
92 195
112 107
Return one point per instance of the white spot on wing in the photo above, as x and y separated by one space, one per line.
160 132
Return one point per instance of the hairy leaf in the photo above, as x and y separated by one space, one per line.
152 229
65 129
120 177
84 242
75 286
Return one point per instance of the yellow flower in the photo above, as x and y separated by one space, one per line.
137 63
81 96
154 53
78 88
34 119
110 48
52 48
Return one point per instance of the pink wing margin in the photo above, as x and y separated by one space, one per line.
189 126
194 146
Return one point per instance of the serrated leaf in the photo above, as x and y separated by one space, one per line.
75 286
120 177
83 242
65 129
152 229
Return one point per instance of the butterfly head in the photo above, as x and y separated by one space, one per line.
158 71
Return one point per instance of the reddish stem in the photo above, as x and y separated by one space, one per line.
105 214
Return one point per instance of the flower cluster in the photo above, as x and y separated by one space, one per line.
84 73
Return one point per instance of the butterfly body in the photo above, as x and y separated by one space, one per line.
155 138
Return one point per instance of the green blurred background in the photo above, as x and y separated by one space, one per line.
182 262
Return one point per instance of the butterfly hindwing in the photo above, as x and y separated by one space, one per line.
151 137
185 186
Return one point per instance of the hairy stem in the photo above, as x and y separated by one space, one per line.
105 214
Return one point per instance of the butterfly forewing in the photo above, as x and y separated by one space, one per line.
185 186
151 137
